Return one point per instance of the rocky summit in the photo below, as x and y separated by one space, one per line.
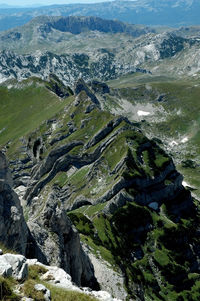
89 193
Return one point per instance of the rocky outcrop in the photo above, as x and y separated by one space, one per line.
56 242
78 24
110 280
99 87
57 87
46 292
124 196
13 228
80 86
15 266
59 278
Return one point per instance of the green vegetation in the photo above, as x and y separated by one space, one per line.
153 238
23 108
31 292
35 271
57 294
5 249
174 106
146 245
6 289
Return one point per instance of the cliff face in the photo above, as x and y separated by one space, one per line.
13 228
51 237
55 241
95 171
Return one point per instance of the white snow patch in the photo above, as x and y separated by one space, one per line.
143 113
184 140
173 143
185 184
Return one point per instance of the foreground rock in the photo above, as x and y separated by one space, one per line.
13 266
58 277
44 290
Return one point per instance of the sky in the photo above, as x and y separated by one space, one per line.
45 2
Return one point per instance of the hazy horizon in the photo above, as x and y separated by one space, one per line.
46 2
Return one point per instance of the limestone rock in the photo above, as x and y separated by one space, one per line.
109 280
80 85
5 268
56 242
13 265
59 278
44 290
13 228
55 276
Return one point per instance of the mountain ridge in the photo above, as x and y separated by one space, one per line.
99 170
152 12
42 47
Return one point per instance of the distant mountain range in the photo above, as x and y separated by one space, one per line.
92 48
149 12
56 33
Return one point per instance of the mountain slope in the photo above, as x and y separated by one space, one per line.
167 110
71 56
49 33
120 190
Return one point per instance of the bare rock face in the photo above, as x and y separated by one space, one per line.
80 85
13 229
12 265
55 241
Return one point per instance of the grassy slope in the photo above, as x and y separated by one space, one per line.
179 118
27 289
110 235
24 107
110 238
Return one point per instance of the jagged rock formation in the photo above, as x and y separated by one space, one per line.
60 52
50 237
120 190
56 242
56 86
102 65
15 266
13 228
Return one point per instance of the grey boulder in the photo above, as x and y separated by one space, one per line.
44 290
14 266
